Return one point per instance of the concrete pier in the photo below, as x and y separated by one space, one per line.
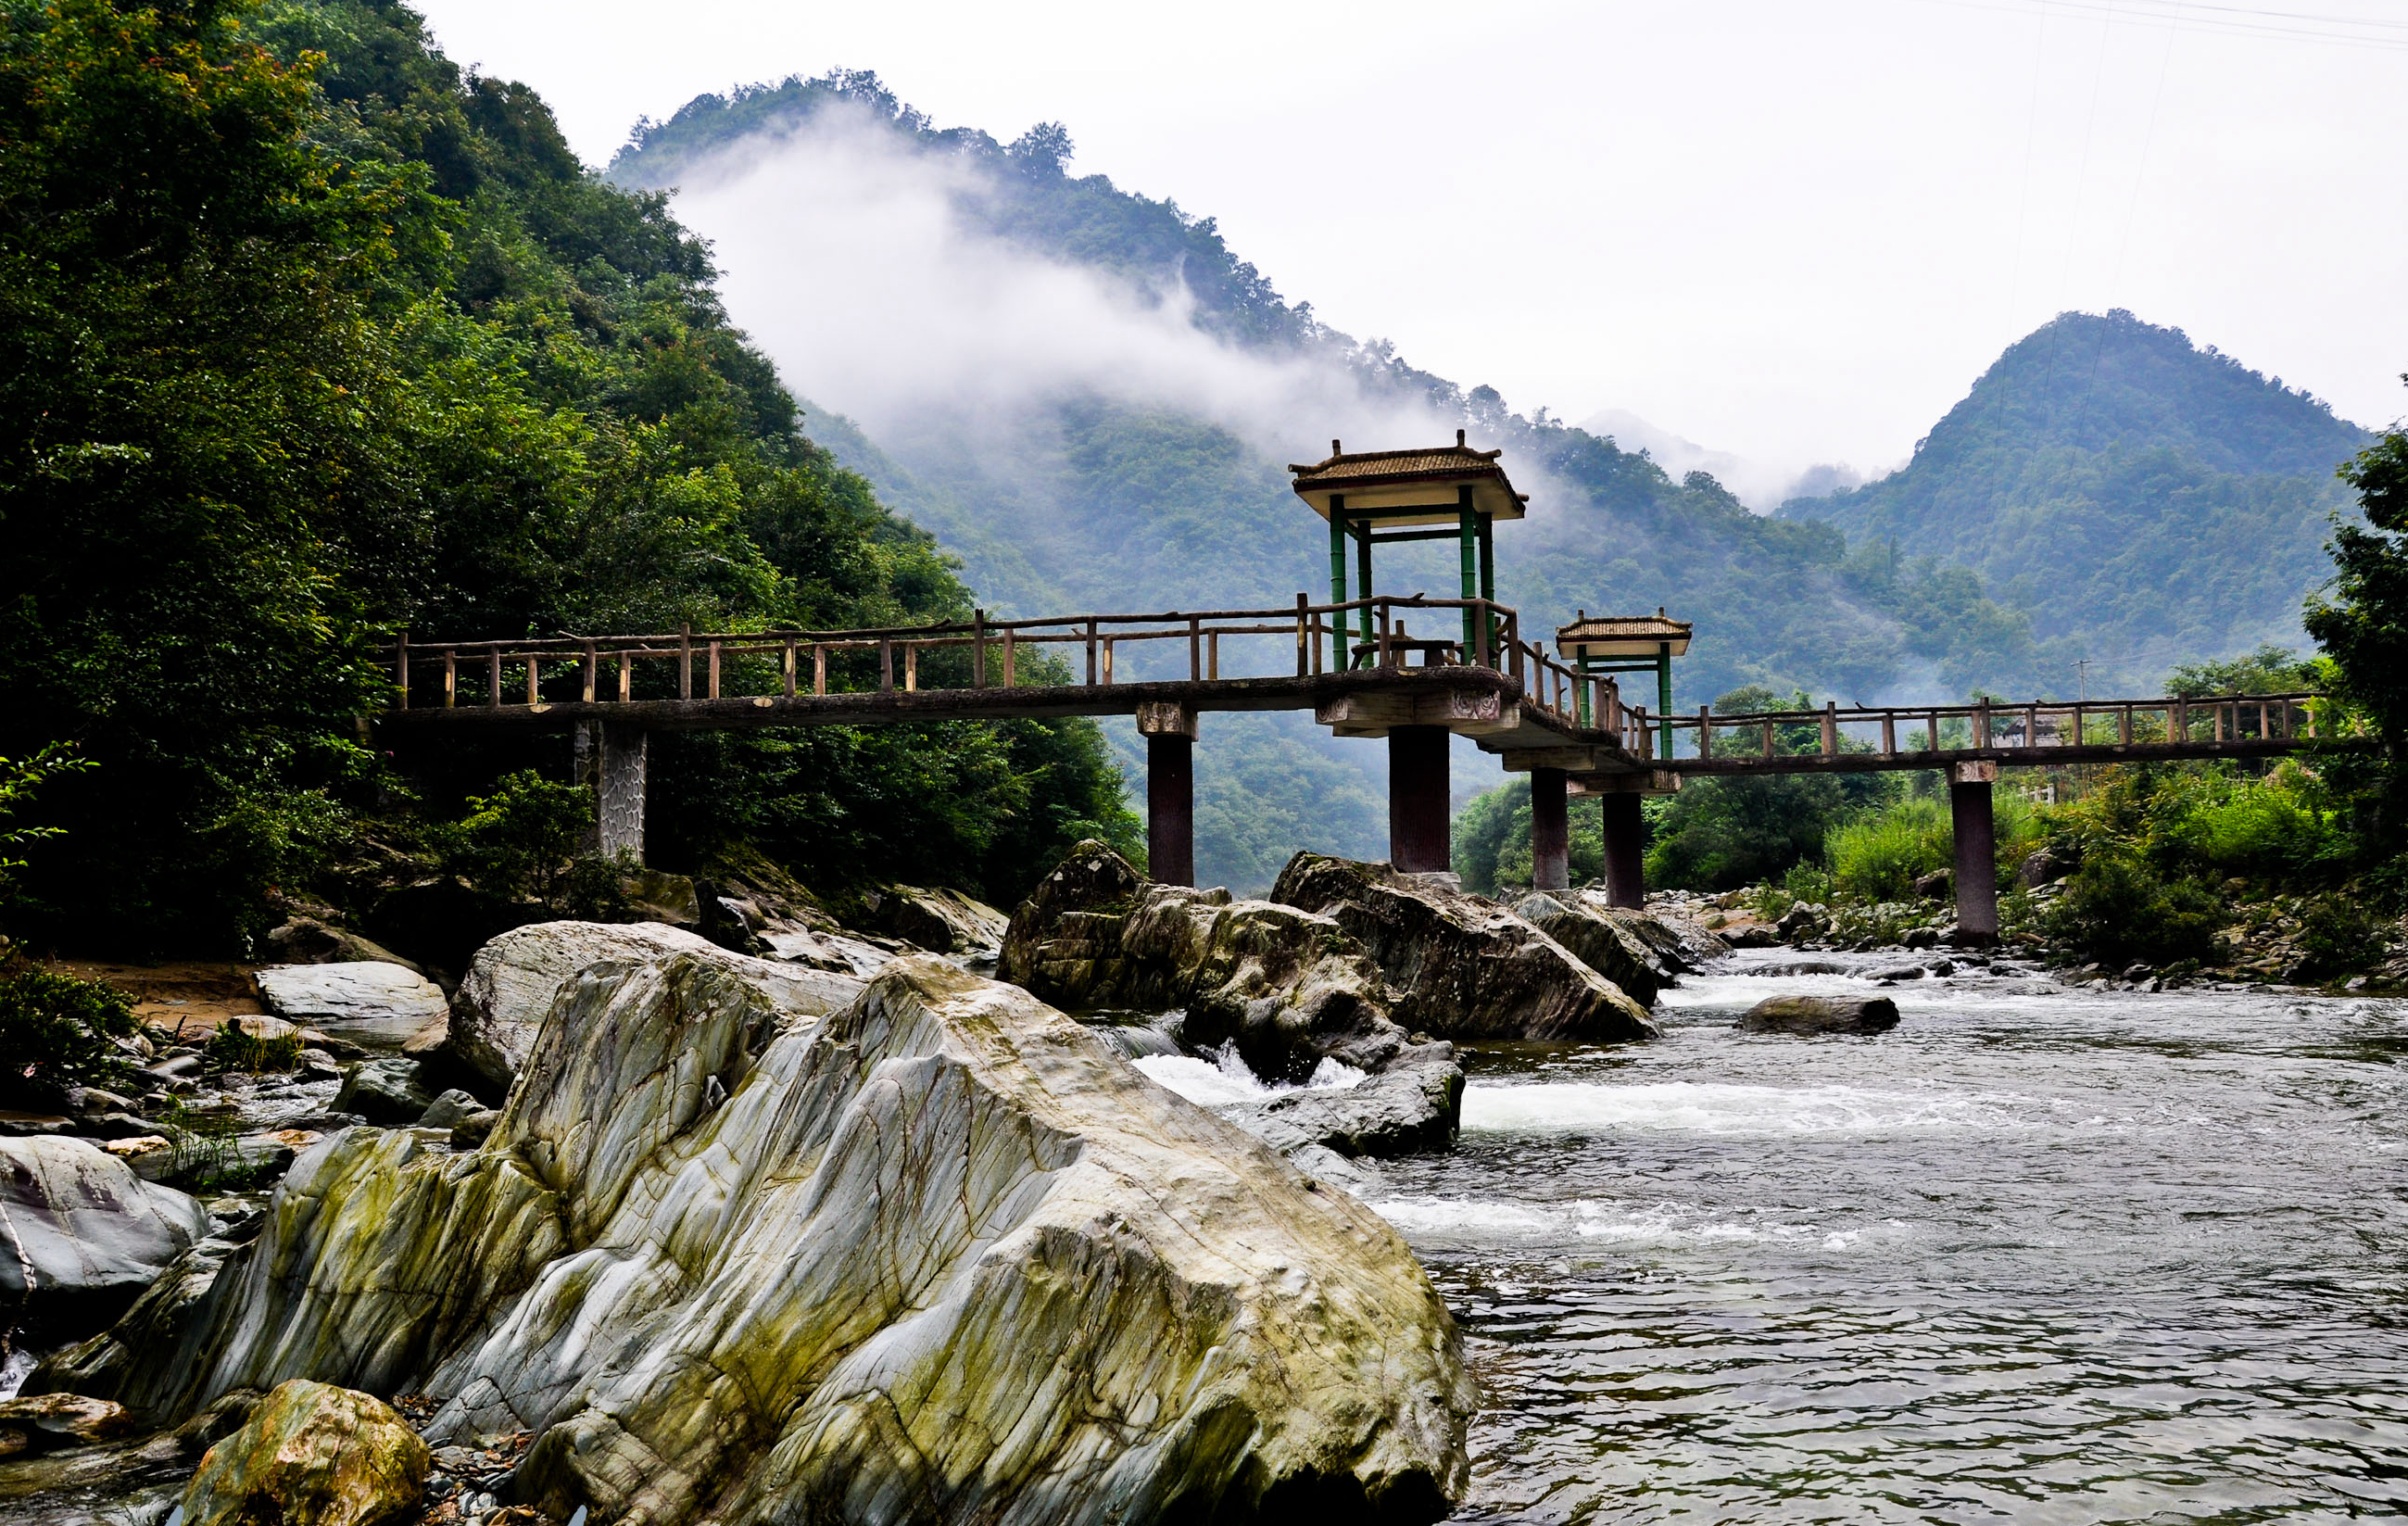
1169 732
1419 839
1626 857
1551 837
1977 870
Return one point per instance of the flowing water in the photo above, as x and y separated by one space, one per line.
2036 1255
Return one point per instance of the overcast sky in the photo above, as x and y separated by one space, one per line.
1794 232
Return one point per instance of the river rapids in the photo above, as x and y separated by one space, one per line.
2040 1255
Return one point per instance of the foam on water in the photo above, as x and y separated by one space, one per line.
1614 1222
1732 1108
1223 1079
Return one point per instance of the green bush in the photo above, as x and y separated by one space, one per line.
1879 858
56 1032
236 1050
2115 908
2339 936
522 839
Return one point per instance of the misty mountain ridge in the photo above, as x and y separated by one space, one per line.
1763 486
2146 501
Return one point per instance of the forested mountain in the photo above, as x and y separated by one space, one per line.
310 338
1093 497
2148 502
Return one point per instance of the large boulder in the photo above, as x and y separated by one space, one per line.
47 1421
311 1455
389 1090
940 1255
1465 967
81 1235
1412 1108
513 980
368 1002
1820 1015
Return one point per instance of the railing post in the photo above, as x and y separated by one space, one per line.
593 672
790 664
1107 662
1384 657
2124 726
713 660
685 661
1195 649
1982 724
978 649
1830 727
1091 653
451 678
2177 721
627 675
819 669
401 664
1705 732
1303 658
535 679
885 664
1010 638
2031 726
910 667
1889 733
1766 745
1213 655
494 675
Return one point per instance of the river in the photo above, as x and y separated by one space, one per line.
2038 1255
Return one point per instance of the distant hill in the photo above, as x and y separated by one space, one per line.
2146 501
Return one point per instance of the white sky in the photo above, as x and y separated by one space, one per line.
1795 232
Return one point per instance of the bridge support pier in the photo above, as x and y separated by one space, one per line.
611 759
1626 855
1977 858
1169 732
1551 865
1419 839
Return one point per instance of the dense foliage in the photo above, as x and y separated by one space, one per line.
310 338
2141 499
58 1034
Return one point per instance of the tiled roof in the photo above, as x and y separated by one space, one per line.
1608 628
1446 461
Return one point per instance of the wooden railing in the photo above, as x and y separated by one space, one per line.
2038 725
1365 634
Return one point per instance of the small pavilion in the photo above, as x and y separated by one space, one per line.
1447 493
1627 643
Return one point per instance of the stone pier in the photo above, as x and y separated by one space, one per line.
1419 839
610 759
1169 732
1551 865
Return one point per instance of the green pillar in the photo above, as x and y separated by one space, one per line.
1580 694
1468 535
1663 697
1338 581
1363 571
1488 585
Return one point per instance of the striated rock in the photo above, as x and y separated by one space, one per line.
1602 937
1466 967
313 1454
1820 1015
306 939
81 1235
1680 942
512 981
387 1091
937 1257
369 1003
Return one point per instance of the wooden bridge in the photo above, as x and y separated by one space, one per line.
1356 664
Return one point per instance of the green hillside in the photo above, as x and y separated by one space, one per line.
2146 501
1099 503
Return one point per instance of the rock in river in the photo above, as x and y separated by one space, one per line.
937 1257
1820 1015
1466 968
81 1235
311 1455
366 1002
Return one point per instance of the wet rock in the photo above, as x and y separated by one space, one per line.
1412 1107
1603 939
81 1235
1920 938
1895 972
385 1091
1820 1015
371 1003
160 1319
514 981
2044 865
1464 968
1940 885
937 1257
447 1111
1803 920
471 1131
311 1453
52 1420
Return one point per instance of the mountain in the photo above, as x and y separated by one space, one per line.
1759 485
2146 501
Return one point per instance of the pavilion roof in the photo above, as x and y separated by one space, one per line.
1623 635
1420 487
